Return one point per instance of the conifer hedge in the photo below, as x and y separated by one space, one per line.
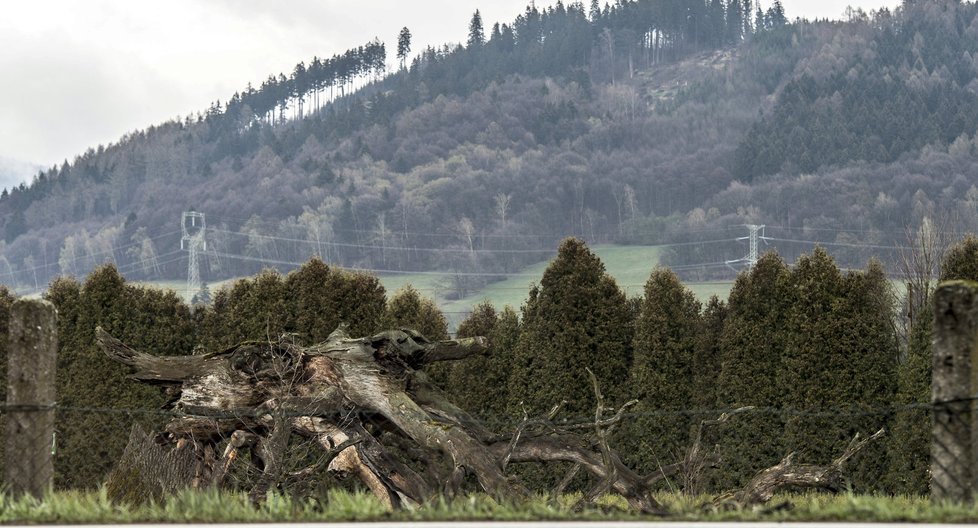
577 318
661 374
751 345
479 384
93 434
814 349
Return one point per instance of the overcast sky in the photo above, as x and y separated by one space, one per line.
79 74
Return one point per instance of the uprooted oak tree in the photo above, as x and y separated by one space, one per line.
374 413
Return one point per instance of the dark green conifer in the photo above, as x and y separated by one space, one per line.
359 299
576 318
909 445
251 309
479 384
867 380
408 309
148 319
750 354
312 315
706 355
661 375
840 353
310 303
961 261
908 450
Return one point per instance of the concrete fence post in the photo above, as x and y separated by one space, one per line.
31 360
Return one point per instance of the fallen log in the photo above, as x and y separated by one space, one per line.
788 475
369 405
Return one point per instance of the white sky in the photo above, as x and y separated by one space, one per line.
76 74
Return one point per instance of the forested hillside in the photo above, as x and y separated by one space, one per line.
646 121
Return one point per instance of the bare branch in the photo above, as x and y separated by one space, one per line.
787 474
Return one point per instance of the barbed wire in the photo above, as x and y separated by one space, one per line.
808 412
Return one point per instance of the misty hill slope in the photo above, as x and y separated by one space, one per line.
478 159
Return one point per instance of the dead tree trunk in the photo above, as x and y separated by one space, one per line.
369 404
789 475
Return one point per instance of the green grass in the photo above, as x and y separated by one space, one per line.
180 287
629 265
208 507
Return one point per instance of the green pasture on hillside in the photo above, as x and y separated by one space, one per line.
629 265
180 287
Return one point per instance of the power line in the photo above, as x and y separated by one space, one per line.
837 244
133 266
455 235
452 250
92 256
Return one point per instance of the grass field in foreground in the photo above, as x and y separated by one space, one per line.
212 507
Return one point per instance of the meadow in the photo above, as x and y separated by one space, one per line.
344 505
629 265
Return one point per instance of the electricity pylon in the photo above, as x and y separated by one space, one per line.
755 235
193 241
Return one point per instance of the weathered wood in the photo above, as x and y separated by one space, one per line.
330 389
954 451
152 368
394 484
455 349
32 359
789 475
570 448
148 471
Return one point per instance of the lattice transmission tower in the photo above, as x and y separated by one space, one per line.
755 235
194 227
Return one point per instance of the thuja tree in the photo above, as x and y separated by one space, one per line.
706 354
661 375
576 319
408 309
872 349
750 354
479 384
838 368
908 448
250 309
706 373
90 434
961 261
309 303
319 298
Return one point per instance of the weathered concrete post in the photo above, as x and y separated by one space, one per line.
954 444
32 354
